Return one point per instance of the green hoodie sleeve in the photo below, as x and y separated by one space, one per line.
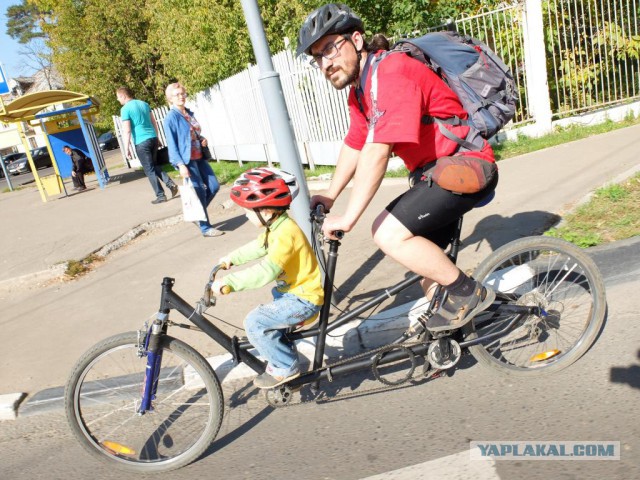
251 251
256 276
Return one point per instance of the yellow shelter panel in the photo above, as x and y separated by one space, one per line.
28 106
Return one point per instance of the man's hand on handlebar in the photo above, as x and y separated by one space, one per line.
321 200
335 227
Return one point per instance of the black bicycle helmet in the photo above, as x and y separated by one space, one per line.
330 19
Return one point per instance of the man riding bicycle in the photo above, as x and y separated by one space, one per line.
390 104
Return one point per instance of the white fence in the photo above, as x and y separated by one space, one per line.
582 80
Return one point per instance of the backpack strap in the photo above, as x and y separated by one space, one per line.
363 80
455 121
373 61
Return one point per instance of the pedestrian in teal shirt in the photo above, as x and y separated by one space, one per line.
138 124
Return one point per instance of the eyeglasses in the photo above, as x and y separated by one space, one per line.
184 94
329 52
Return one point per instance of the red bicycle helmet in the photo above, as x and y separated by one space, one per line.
264 187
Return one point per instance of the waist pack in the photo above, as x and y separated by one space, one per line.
463 174
479 78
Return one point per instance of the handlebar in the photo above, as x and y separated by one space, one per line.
318 216
208 299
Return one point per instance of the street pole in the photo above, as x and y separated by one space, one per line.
279 119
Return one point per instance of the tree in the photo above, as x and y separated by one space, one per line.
99 46
23 22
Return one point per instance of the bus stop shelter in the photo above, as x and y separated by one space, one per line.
72 125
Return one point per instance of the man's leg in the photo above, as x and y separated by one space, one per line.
144 151
160 173
414 229
80 179
74 179
417 254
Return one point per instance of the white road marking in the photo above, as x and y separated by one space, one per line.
458 466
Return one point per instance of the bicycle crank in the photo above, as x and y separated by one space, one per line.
279 397
444 353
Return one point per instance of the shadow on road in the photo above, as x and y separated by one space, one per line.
499 230
629 375
127 177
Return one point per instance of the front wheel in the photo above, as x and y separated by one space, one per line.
103 394
563 282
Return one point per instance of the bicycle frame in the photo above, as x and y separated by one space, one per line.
240 349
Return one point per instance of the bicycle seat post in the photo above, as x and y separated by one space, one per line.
455 241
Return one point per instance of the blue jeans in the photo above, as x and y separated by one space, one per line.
147 152
206 186
264 327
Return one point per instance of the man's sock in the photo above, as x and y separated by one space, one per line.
462 286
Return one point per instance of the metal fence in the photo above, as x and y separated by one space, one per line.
594 53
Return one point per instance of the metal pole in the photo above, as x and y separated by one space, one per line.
279 119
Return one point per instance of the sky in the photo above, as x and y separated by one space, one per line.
9 56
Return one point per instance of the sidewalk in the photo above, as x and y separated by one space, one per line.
40 235
535 190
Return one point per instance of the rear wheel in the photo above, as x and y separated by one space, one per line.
551 274
103 394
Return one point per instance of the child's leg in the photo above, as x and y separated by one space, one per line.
264 326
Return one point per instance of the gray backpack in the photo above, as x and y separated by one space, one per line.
477 75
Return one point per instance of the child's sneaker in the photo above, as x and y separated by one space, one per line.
267 381
457 311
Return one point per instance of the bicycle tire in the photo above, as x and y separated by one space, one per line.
546 272
103 392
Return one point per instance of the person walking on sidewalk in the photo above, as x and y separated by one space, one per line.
186 152
79 168
288 259
138 123
388 105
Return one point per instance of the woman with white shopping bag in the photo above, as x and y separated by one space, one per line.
188 152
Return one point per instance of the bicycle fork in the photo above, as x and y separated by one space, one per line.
154 361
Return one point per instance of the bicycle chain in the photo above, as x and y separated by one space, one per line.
340 396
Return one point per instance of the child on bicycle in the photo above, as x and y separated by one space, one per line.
287 258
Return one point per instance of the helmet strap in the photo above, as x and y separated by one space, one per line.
267 223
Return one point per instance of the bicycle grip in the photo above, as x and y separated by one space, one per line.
225 290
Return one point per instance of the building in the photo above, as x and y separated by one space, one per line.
44 79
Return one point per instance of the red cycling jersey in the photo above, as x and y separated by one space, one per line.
397 95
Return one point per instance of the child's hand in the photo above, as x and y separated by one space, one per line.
225 262
219 288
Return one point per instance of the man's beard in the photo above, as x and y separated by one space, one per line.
342 82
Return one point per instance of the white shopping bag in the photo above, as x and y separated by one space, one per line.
192 209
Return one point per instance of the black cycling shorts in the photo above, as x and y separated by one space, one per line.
428 211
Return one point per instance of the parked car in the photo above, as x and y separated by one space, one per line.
15 160
108 141
40 156
6 159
